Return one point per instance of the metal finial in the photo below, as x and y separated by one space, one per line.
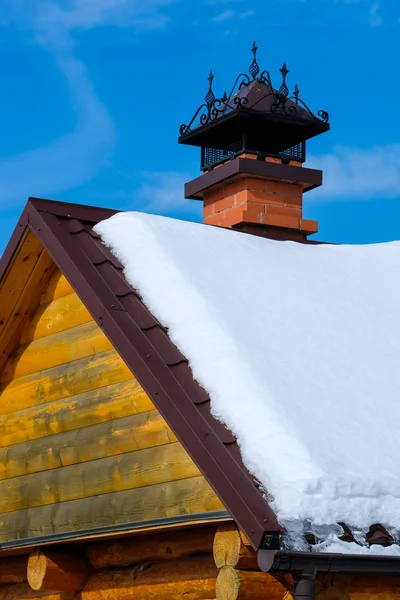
284 90
210 97
225 97
296 93
254 69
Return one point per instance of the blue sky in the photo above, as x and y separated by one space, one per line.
94 92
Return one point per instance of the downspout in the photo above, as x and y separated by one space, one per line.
304 584
304 566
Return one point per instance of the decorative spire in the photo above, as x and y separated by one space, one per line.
296 93
254 69
224 97
284 90
210 97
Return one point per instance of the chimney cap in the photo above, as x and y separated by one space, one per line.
271 119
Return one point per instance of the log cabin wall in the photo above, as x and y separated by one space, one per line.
82 445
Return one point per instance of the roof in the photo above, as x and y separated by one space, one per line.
66 231
272 120
291 341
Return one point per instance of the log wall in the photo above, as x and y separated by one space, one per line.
82 445
207 563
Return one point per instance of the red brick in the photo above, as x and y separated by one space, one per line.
234 188
212 195
284 211
293 201
224 204
281 221
208 210
255 185
309 226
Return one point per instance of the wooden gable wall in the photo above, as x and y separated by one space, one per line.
82 445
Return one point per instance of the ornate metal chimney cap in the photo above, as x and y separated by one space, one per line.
267 115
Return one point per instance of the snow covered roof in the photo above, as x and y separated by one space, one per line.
298 347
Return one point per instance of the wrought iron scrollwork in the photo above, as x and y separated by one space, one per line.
282 102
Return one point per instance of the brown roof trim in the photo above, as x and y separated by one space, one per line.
284 561
65 230
310 178
13 244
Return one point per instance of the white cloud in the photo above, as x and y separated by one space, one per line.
375 18
163 193
247 13
158 192
224 16
355 173
79 155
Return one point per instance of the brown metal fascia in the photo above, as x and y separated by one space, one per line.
231 482
14 243
73 211
310 178
281 561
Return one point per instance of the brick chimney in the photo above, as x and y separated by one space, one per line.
253 146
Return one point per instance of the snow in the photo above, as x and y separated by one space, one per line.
298 347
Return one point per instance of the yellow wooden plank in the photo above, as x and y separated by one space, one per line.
15 280
65 380
56 349
97 406
59 315
58 287
186 497
25 307
135 432
132 470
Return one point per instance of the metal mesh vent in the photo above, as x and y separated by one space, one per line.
212 156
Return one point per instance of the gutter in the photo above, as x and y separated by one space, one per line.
304 567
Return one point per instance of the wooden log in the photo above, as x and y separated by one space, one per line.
358 587
23 591
62 381
13 569
233 584
230 549
188 496
185 579
168 546
117 436
58 287
56 316
97 406
57 571
56 349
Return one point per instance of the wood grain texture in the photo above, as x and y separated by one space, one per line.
23 591
110 402
358 587
55 570
188 579
185 497
233 584
229 549
76 377
163 546
57 287
13 570
112 474
56 349
24 309
15 279
59 315
117 436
